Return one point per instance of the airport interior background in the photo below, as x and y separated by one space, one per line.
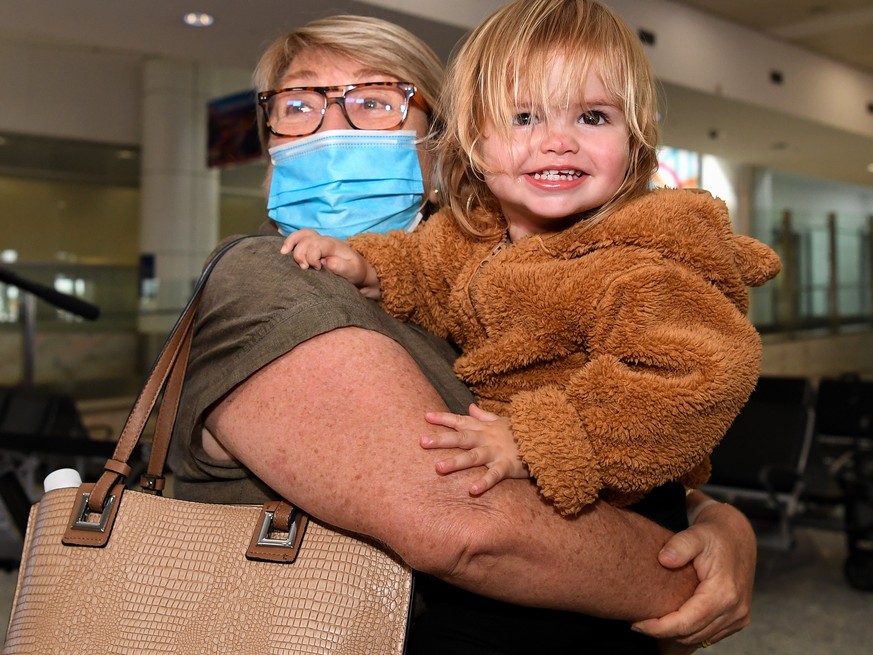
126 155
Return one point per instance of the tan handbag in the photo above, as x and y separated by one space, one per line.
107 569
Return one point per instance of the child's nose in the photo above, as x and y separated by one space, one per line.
560 140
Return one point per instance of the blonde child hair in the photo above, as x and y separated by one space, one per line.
373 42
510 55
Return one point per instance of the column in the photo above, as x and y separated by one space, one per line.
179 211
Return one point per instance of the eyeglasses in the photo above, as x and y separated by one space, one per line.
299 110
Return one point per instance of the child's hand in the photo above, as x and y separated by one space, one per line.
488 440
313 250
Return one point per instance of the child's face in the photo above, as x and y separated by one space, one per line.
550 171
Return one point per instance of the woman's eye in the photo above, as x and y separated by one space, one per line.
523 119
371 104
299 108
593 118
294 108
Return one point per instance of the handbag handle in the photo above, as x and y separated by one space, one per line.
168 374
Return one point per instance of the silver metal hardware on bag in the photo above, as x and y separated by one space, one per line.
266 528
82 512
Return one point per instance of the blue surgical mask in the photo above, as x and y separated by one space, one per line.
344 182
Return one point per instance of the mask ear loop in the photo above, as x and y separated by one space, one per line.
419 217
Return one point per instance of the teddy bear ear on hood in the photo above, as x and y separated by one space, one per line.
756 262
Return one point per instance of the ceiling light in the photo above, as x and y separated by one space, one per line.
197 19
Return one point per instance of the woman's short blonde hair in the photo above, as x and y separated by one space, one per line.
373 42
512 52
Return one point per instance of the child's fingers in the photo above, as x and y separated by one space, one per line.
480 414
287 245
299 256
457 422
490 479
467 459
441 440
295 238
308 255
445 419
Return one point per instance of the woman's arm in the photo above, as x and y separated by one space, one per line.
334 426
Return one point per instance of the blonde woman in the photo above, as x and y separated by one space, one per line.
298 387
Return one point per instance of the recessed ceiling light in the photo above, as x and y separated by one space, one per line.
197 19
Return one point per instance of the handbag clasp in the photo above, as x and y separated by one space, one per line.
85 526
82 523
266 547
264 538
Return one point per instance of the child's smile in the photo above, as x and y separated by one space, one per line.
563 175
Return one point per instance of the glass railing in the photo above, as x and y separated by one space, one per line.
114 289
825 287
826 283
45 346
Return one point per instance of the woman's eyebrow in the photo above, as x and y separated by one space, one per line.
299 75
359 75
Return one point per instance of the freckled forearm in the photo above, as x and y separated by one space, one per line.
358 465
603 562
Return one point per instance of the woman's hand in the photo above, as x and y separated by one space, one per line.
488 441
721 544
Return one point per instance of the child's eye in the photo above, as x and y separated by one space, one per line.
523 119
593 118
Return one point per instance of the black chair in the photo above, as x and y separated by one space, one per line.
844 432
760 464
41 430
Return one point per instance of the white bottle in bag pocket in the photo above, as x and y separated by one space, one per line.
61 478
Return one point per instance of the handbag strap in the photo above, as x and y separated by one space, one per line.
168 375
168 371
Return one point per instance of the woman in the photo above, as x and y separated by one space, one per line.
340 439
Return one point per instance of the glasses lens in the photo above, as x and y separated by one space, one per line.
376 107
295 112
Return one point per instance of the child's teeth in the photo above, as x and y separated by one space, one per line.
557 175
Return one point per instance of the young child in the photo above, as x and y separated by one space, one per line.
602 325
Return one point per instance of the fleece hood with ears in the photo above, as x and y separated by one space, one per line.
620 352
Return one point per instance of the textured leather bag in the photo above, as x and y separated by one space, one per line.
107 569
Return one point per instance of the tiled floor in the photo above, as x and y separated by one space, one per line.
802 604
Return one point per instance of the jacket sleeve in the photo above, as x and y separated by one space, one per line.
414 271
670 362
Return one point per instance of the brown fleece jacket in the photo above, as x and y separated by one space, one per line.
620 353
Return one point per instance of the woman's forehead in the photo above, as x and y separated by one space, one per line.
319 67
